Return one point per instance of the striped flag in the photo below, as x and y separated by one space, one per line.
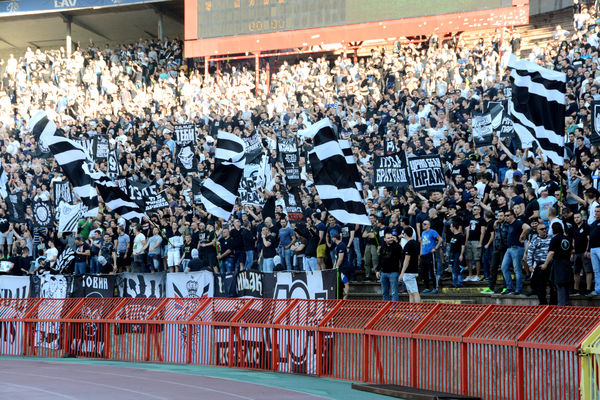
68 217
220 191
70 156
333 177
538 107
65 260
349 156
115 199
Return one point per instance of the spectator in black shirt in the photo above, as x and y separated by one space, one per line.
559 253
581 263
410 265
82 252
390 255
225 255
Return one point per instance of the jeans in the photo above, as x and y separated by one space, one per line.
80 268
497 255
94 265
155 261
268 265
310 263
239 258
514 256
390 279
227 265
486 260
286 258
371 259
138 264
457 276
539 281
249 259
562 292
426 266
595 255
357 252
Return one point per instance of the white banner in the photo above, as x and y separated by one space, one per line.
47 334
11 332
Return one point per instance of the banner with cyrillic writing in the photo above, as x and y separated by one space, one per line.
254 148
288 151
426 173
481 125
101 147
391 170
185 133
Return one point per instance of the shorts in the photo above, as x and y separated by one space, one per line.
321 250
410 281
173 257
579 262
6 238
472 252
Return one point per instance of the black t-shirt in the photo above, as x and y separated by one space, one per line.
456 243
79 257
204 238
561 246
4 224
595 234
532 206
411 248
489 228
474 225
224 245
195 264
389 257
312 241
271 251
581 237
237 243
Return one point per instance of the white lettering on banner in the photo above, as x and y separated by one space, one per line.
249 283
95 282
87 346
65 3
391 162
391 175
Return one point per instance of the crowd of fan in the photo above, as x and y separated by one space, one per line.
503 209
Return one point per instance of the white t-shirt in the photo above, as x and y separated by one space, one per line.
138 243
51 254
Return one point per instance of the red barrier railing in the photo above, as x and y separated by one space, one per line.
494 351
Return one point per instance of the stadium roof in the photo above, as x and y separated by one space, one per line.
113 25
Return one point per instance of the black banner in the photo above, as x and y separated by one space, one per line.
595 136
42 214
288 152
112 164
389 146
481 125
186 158
319 285
293 205
101 147
426 173
185 133
249 284
16 208
62 192
88 146
254 148
147 196
99 286
501 120
225 285
51 286
196 190
391 170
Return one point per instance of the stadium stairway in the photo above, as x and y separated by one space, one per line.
469 294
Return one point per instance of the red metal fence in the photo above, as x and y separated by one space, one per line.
494 351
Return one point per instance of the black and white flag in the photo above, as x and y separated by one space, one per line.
14 287
147 196
96 286
254 148
42 214
481 125
538 107
68 216
62 192
65 261
426 173
186 158
391 170
220 191
116 200
3 181
196 190
250 184
595 136
249 284
185 133
16 207
288 151
501 119
316 285
113 168
351 161
142 285
101 147
333 178
71 157
190 284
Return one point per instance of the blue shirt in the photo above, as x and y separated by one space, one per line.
339 250
428 241
285 236
514 232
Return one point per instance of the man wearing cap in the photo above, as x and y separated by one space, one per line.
517 232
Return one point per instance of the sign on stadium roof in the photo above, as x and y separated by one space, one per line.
25 7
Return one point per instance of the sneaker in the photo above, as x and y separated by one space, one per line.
468 279
476 278
576 294
515 293
592 294
487 290
434 291
426 291
505 291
